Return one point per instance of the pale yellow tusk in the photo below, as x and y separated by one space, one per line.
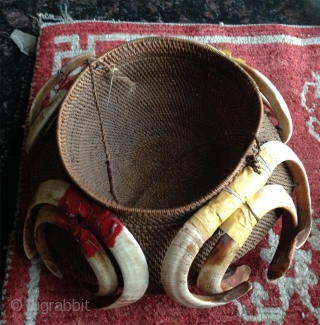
239 226
134 269
42 121
71 65
175 269
272 153
275 99
48 192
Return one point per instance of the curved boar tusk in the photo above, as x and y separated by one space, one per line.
213 214
270 95
88 244
237 229
54 80
175 269
133 266
201 226
43 120
48 192
275 99
105 226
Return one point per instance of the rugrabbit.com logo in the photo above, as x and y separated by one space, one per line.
45 307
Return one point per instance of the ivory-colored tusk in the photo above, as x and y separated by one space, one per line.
278 104
272 153
175 269
134 269
54 80
48 192
89 246
237 229
105 226
201 226
270 95
42 121
265 102
41 96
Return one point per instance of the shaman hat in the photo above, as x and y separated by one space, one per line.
153 130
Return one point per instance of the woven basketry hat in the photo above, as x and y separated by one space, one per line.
153 130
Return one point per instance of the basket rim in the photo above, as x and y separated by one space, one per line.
180 209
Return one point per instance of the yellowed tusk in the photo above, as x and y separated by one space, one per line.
272 153
71 65
134 269
270 95
48 192
42 121
201 226
175 269
275 99
239 226
98 259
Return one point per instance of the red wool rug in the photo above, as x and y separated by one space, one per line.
290 57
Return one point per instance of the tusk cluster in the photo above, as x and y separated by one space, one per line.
201 226
61 204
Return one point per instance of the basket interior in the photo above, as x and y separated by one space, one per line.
176 118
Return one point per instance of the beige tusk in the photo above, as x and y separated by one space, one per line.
266 103
270 95
90 248
134 269
175 269
237 229
273 96
43 120
54 80
41 96
272 153
48 192
105 226
201 226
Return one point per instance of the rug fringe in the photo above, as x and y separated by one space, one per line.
49 18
